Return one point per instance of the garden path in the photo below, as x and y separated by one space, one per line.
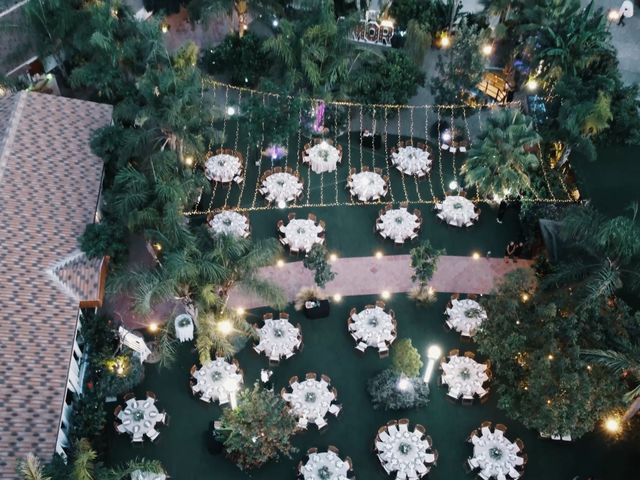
391 273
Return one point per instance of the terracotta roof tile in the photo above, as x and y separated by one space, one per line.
49 187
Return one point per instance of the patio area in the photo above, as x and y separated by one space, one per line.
182 446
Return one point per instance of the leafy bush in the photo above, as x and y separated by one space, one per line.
393 80
405 358
424 260
385 394
242 58
258 430
316 260
104 238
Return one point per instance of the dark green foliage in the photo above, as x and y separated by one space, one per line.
240 57
501 162
316 260
460 67
105 238
424 260
385 394
258 430
393 80
604 255
540 376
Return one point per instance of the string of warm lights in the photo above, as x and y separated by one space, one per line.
299 146
361 138
386 150
404 185
440 154
453 154
349 144
335 143
415 177
261 147
216 84
246 159
426 138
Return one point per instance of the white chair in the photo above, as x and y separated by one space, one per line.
384 436
258 348
452 394
399 241
121 429
473 463
513 473
463 149
382 347
223 400
403 427
421 468
153 434
289 354
335 409
412 475
321 423
137 439
429 458
485 476
303 423
453 149
361 346
444 147
519 461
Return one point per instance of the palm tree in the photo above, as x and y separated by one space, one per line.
501 161
203 271
84 456
626 364
31 469
604 254
316 54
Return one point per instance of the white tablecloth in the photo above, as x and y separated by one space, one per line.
278 338
281 187
229 223
495 454
184 333
329 462
215 378
322 157
372 326
464 376
139 417
223 168
412 161
367 186
466 316
301 234
457 211
403 452
310 399
398 224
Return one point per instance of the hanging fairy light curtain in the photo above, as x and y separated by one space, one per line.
365 135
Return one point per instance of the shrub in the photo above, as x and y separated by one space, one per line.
386 394
316 260
405 358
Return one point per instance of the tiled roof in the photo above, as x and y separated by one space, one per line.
80 277
49 187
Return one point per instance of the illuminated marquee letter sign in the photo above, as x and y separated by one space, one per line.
373 33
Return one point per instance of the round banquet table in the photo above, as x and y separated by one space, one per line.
278 338
404 452
228 222
457 211
310 399
373 326
412 161
367 186
212 380
322 157
281 187
139 417
496 455
323 466
223 168
464 376
301 234
466 316
398 224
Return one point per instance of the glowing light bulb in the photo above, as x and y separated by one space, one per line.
379 254
333 257
280 263
231 111
385 294
475 256
153 327
337 297
225 327
612 425
532 85
487 49
453 185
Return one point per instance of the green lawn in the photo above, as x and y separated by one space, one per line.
329 349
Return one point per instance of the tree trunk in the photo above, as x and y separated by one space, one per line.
632 410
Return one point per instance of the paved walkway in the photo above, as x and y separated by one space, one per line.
370 275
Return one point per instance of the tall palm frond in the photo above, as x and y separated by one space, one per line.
31 469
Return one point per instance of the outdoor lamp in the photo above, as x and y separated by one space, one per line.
453 185
231 111
434 352
404 384
225 327
487 49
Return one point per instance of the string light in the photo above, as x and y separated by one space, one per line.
337 297
153 327
379 254
385 294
